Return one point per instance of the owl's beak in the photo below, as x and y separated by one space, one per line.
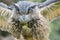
23 17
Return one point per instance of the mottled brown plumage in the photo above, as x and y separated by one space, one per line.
33 27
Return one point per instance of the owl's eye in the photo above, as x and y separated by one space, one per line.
30 9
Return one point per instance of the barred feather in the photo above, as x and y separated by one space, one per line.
4 15
51 11
42 28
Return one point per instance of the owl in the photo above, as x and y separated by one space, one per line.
26 20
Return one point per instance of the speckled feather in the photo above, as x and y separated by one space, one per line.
36 29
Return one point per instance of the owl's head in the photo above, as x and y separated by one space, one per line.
25 11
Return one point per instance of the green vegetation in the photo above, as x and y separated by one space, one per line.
55 30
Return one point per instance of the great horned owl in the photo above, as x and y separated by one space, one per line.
27 21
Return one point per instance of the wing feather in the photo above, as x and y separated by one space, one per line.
4 16
51 11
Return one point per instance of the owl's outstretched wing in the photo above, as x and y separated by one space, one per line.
4 16
3 5
51 11
41 26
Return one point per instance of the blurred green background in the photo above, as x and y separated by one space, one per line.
55 25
